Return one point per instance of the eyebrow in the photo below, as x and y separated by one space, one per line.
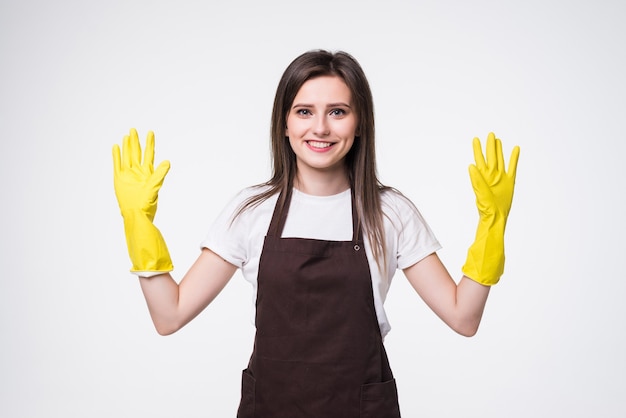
338 104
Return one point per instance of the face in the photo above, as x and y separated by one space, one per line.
321 126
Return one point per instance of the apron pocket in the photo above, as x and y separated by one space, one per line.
246 406
380 400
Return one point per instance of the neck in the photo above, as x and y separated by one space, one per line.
322 183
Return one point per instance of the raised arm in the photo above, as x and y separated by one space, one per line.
461 306
137 185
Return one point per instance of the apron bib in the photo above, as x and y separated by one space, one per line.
318 351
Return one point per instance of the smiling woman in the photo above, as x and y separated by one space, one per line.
321 127
320 243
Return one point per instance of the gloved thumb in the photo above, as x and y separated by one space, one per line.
161 171
479 184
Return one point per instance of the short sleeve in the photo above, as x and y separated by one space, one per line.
226 235
414 239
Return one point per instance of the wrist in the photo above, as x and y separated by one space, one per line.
146 247
136 216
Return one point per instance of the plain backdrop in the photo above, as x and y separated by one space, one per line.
548 75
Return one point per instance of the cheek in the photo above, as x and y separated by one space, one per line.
291 144
296 127
349 130
351 144
291 127
350 126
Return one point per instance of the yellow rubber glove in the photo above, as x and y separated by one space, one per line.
493 187
137 187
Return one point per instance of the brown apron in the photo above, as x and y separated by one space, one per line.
318 350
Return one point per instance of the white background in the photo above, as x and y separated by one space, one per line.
548 75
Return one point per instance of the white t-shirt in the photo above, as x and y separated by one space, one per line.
408 238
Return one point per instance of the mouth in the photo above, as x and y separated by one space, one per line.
319 145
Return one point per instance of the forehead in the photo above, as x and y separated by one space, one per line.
329 88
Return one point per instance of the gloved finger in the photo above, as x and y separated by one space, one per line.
134 149
492 162
499 156
161 172
481 189
117 165
126 151
513 162
478 154
148 157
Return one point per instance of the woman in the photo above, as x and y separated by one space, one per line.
319 242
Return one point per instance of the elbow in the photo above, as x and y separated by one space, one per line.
163 332
467 332
466 328
165 329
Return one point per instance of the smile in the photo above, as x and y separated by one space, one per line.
319 144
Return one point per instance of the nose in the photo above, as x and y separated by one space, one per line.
321 127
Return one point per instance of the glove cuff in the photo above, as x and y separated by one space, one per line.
485 257
146 247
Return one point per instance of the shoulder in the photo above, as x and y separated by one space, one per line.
249 192
393 201
235 235
238 216
398 209
238 208
408 234
243 196
251 202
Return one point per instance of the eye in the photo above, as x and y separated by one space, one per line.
337 112
303 112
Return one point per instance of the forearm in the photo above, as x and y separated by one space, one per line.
162 297
173 305
460 305
470 301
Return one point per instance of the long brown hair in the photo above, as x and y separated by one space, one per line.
360 160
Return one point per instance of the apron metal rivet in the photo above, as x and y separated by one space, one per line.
356 247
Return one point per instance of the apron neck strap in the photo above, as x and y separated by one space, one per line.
280 213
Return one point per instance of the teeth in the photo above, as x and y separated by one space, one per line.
317 144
